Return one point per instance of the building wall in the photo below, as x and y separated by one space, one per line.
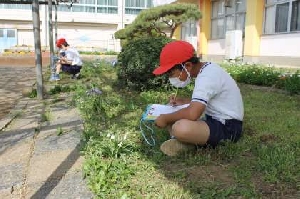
280 45
278 49
81 29
216 47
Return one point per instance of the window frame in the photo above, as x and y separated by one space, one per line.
95 5
278 2
137 8
224 15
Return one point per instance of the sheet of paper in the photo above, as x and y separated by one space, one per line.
157 109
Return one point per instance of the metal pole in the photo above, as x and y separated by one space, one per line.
37 46
50 32
55 22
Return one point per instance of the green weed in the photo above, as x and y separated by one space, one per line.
119 164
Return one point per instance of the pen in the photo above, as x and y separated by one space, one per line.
174 98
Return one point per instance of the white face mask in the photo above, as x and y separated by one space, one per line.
176 82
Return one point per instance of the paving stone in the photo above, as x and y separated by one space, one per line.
11 175
50 161
16 154
51 142
69 187
54 166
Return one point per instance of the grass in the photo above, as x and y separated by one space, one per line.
119 164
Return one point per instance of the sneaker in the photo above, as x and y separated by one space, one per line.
173 147
57 77
54 77
75 76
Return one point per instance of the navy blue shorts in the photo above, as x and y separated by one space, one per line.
72 69
231 130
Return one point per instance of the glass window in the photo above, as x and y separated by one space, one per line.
241 5
270 20
136 6
11 33
217 28
1 33
240 21
189 29
79 8
15 6
217 8
135 3
107 6
281 16
63 8
295 20
86 2
108 2
226 16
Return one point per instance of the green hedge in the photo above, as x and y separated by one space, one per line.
265 76
137 61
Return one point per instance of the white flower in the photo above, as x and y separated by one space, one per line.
112 137
120 144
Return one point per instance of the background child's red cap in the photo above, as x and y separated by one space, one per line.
60 41
173 53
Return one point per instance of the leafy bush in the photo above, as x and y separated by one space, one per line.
137 62
292 83
61 89
265 76
254 74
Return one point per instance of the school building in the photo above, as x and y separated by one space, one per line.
86 24
264 31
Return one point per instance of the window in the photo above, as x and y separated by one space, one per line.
107 6
1 32
189 29
227 15
15 6
11 33
136 6
282 16
92 6
295 20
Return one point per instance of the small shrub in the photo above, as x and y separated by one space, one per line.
61 89
33 93
256 75
137 61
292 83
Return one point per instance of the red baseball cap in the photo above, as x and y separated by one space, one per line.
60 41
174 53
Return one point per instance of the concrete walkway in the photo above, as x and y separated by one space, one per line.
40 151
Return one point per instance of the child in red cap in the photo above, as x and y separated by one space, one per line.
70 61
215 95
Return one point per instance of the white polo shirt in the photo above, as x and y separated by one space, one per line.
216 89
73 55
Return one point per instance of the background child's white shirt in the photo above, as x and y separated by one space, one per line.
73 55
215 88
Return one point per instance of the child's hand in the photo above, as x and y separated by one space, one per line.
175 101
160 121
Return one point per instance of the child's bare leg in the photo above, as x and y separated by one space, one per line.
58 68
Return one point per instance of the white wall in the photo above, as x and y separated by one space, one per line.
25 36
83 35
89 29
280 45
216 47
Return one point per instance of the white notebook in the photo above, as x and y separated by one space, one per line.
154 110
